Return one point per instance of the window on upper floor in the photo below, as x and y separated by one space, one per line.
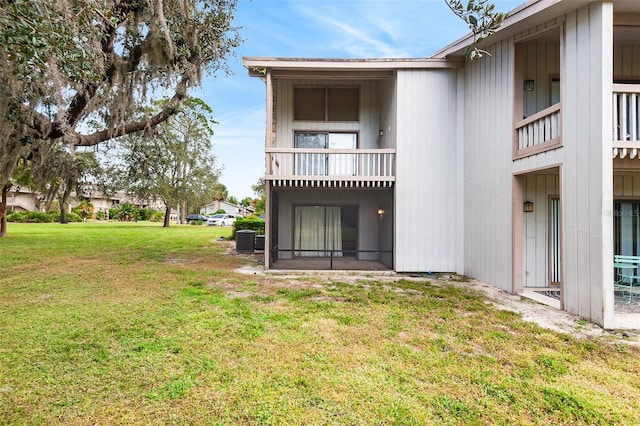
325 163
326 103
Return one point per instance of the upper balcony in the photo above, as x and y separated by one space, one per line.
626 121
537 106
538 87
331 132
332 168
539 132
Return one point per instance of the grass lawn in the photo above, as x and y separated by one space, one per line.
112 323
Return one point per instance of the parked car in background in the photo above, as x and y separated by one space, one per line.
221 220
195 217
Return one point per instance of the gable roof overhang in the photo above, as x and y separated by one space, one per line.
340 68
528 15
523 16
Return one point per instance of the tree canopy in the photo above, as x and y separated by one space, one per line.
482 19
175 162
77 71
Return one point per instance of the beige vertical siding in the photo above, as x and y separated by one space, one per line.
388 106
488 128
369 113
541 62
626 61
626 185
587 175
426 162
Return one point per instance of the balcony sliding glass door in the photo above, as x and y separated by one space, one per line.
325 164
626 228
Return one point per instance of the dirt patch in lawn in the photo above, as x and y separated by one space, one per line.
532 311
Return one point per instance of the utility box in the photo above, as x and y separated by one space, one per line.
259 242
245 240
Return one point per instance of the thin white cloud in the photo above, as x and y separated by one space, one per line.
360 43
241 124
355 34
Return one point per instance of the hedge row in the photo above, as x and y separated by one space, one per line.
39 217
253 223
128 213
54 216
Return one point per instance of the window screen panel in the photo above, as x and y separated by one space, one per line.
309 104
343 104
316 140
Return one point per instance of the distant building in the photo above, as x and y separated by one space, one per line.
22 200
228 207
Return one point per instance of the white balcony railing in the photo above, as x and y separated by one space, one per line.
626 120
542 127
366 167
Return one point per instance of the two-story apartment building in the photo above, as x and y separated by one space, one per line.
520 169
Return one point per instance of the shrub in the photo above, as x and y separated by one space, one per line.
28 217
196 222
73 217
54 215
157 216
145 214
101 215
16 217
126 213
253 223
37 217
84 210
220 211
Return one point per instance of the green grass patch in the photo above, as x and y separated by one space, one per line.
130 323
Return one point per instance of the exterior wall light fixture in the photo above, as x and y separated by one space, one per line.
528 206
380 212
529 85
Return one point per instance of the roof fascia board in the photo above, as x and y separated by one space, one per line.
333 74
257 66
511 25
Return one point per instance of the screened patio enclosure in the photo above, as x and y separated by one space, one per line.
328 227
626 227
321 231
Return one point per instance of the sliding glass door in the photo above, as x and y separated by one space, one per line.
326 163
311 164
322 231
626 228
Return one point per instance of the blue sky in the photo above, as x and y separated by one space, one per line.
313 29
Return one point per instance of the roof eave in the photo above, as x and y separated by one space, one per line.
515 17
258 66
